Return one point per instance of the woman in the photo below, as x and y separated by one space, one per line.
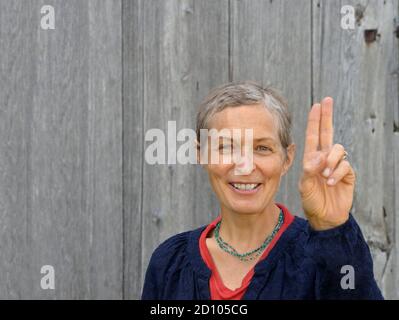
256 249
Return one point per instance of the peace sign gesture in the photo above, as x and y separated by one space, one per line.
328 180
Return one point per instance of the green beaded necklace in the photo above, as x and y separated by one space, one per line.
253 254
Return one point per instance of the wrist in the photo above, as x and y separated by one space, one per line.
318 224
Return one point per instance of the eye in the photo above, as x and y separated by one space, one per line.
263 148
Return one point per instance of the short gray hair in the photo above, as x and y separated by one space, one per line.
235 94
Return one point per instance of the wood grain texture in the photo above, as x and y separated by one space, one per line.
185 54
133 144
61 152
17 75
77 101
359 76
390 272
271 44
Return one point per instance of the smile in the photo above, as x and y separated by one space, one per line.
245 188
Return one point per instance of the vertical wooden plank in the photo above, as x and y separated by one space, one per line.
133 143
271 44
185 54
358 74
17 73
104 156
390 274
63 154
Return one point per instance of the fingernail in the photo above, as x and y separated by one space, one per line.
331 181
326 172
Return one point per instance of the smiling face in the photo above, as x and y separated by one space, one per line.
253 190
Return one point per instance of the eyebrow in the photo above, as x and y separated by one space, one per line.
265 138
257 139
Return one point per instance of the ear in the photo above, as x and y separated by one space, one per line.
291 149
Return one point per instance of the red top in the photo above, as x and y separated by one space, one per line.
217 288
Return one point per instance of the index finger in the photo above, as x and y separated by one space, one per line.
312 129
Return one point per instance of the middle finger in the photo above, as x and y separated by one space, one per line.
326 124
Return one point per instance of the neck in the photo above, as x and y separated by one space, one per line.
246 231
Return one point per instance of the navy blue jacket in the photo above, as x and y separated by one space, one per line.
303 264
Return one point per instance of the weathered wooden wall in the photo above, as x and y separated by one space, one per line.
76 102
61 150
363 78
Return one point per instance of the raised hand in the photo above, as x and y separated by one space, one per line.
328 181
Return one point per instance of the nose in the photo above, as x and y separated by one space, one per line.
244 165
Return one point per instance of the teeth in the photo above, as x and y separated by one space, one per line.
246 186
